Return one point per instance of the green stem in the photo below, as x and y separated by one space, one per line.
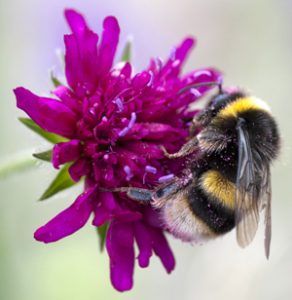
16 163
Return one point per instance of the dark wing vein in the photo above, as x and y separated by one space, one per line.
247 192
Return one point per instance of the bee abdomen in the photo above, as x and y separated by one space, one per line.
212 200
218 188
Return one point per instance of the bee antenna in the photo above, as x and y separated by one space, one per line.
218 83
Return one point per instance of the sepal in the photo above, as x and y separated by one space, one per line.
51 137
55 81
62 182
127 51
101 231
45 155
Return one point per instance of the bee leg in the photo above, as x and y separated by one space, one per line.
165 190
138 194
188 148
194 127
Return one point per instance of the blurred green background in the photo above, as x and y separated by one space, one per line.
251 41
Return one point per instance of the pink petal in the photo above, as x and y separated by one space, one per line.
120 247
172 67
141 80
75 21
51 115
109 42
182 51
101 215
65 152
103 208
67 97
155 131
108 173
144 242
150 150
127 70
80 168
81 55
162 250
68 221
152 217
108 200
128 216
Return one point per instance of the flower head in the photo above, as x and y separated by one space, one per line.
115 123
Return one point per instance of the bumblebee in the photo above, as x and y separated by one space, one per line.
227 183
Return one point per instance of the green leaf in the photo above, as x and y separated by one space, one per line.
56 82
16 163
61 182
51 137
101 231
127 52
45 155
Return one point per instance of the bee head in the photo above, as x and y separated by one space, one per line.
224 98
217 103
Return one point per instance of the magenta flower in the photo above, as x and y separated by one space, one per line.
115 122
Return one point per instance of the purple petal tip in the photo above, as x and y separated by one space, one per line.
191 41
111 21
75 20
19 93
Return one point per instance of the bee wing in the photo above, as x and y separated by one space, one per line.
247 192
266 198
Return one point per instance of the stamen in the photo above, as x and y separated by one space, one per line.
92 110
150 169
124 131
128 172
118 101
133 120
151 78
195 92
116 72
200 73
165 178
175 63
158 63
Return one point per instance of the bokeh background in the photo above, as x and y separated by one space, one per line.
251 41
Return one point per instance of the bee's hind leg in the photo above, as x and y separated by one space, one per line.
188 148
138 194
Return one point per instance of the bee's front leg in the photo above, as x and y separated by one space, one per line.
195 127
188 148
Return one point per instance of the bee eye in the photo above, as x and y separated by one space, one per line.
213 111
220 100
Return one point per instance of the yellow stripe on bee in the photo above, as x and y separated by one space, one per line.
216 185
242 105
